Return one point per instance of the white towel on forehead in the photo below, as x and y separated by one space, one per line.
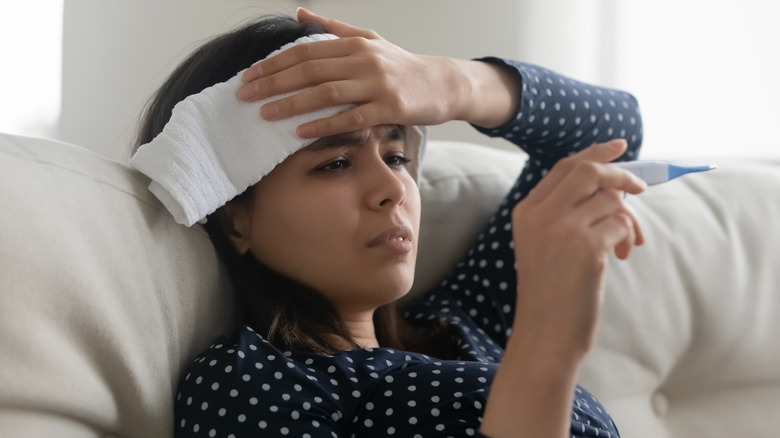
215 146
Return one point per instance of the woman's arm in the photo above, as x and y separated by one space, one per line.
388 84
558 115
548 115
562 233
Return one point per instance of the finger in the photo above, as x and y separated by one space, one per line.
615 231
293 57
297 77
354 119
587 178
315 98
640 235
609 202
602 204
335 27
604 152
624 247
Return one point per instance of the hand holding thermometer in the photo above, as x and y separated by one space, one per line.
657 172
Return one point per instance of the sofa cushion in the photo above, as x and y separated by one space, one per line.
688 339
104 299
461 186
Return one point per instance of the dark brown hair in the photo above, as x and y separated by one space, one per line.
289 314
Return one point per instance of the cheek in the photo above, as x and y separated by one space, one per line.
297 233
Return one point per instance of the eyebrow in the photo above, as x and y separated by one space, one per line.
354 138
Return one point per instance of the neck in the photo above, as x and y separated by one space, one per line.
361 327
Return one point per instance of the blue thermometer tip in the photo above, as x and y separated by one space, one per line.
658 172
675 170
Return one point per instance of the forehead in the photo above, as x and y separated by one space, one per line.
382 133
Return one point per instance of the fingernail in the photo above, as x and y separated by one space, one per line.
252 73
269 111
306 131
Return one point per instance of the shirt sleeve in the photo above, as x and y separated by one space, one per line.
557 117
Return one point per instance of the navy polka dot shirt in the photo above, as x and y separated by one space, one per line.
245 387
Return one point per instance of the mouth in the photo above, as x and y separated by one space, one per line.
396 240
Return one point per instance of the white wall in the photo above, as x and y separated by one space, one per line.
116 52
30 46
704 70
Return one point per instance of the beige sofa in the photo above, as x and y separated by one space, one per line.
104 300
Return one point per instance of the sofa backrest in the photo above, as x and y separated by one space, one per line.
105 300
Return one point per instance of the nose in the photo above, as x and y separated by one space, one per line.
385 186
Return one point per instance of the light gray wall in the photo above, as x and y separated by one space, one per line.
116 52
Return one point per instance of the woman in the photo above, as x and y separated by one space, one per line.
322 247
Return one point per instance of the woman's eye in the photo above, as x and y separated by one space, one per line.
336 165
397 160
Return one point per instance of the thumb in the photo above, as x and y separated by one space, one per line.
335 27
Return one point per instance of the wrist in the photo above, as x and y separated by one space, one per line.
529 391
458 87
489 95
557 354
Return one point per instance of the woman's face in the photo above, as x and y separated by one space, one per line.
341 216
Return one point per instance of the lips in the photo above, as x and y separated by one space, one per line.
396 239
